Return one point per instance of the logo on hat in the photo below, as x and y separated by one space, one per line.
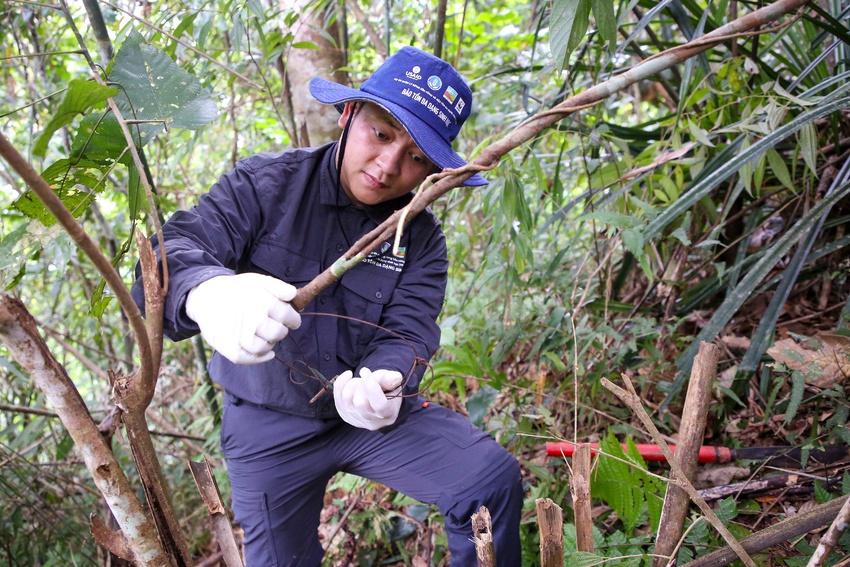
434 82
459 106
414 73
450 94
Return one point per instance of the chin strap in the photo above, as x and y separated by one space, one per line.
341 151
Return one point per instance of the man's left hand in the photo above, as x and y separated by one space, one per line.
369 401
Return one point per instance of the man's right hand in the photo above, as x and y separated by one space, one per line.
244 315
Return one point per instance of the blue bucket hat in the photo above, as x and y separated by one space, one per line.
424 93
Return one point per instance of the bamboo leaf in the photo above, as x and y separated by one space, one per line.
780 170
809 146
724 170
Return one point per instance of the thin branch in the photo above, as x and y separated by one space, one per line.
184 44
833 534
43 54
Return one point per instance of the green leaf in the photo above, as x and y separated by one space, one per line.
568 24
615 484
155 88
633 241
64 447
479 404
780 169
100 139
606 21
75 200
80 97
809 146
798 387
556 362
65 173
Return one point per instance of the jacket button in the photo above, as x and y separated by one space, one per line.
339 248
327 356
378 294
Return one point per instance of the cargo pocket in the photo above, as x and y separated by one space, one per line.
251 510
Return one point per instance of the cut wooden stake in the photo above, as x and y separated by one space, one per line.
633 401
694 416
580 489
202 473
482 531
551 522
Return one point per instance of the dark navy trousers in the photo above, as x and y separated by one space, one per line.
280 465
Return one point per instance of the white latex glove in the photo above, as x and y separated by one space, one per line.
370 401
243 315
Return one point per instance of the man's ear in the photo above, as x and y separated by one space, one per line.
347 111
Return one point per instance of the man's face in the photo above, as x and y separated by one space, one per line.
381 160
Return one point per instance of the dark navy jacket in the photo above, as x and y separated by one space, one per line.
284 215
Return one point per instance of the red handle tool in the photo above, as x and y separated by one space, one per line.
707 454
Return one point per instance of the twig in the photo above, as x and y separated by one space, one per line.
828 541
184 44
632 400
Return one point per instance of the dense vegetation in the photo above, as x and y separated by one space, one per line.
707 202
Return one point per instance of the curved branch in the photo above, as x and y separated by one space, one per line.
40 187
19 332
490 156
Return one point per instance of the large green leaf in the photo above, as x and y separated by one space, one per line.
567 27
79 98
153 89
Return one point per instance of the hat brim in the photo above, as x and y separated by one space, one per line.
437 150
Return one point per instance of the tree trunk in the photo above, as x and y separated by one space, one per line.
315 123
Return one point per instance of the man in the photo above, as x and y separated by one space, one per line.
270 226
